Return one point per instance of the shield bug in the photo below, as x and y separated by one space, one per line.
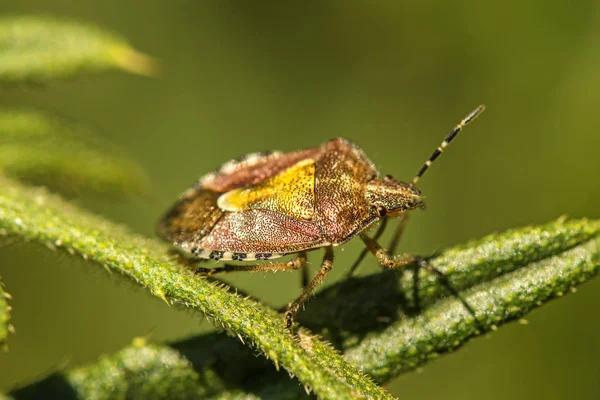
268 205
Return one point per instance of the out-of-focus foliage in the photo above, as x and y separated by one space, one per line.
43 149
5 326
38 49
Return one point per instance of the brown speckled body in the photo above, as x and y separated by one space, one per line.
268 205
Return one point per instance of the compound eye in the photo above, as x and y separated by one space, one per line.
381 211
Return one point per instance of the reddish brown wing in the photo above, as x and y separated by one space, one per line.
261 231
290 192
341 175
196 224
191 218
196 216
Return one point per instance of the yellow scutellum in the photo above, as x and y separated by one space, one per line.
290 192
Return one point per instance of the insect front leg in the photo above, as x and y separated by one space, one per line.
295 263
393 243
296 304
387 260
364 252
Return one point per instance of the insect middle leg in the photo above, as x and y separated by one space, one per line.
398 233
294 263
308 289
304 277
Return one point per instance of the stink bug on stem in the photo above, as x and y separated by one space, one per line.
268 205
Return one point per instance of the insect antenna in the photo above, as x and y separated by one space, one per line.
472 115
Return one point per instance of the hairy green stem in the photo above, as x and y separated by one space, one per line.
449 324
375 321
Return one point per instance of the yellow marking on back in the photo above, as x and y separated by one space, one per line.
290 192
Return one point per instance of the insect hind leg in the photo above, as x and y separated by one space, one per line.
295 263
178 257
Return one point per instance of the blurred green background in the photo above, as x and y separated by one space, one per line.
394 76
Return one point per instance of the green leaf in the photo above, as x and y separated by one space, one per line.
39 148
35 215
41 48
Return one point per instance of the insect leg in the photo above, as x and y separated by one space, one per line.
296 304
304 275
387 260
294 263
398 233
364 251
180 258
